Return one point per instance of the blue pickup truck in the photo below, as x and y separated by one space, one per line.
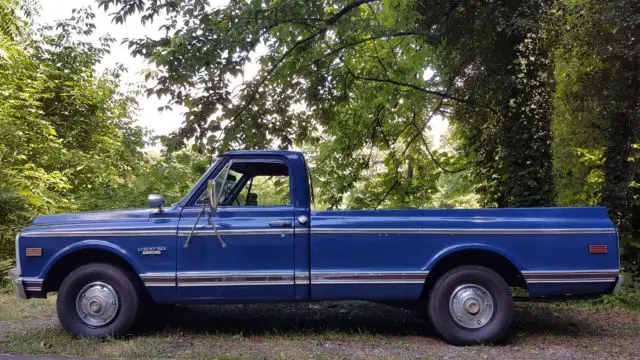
247 233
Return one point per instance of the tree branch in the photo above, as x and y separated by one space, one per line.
434 159
395 183
393 50
276 21
332 20
414 87
364 40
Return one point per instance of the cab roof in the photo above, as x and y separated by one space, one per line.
263 152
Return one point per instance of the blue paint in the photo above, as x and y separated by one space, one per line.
331 242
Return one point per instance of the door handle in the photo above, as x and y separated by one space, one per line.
280 223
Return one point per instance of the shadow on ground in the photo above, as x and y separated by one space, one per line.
350 318
290 318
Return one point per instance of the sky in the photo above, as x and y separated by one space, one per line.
161 123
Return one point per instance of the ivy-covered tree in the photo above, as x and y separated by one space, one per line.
600 111
498 53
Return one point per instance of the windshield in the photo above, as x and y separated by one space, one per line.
201 179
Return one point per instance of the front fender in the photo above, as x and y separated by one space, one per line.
467 247
91 245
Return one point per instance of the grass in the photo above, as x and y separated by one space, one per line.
349 330
12 309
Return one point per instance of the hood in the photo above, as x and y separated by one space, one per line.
94 217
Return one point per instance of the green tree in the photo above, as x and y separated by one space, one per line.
498 54
171 175
354 78
348 80
600 112
66 132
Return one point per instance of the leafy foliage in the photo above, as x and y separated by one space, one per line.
498 54
599 94
354 79
350 80
66 133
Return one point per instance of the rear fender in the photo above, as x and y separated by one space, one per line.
433 261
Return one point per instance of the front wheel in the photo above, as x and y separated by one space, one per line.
470 305
98 300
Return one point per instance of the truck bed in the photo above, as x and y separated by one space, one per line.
548 246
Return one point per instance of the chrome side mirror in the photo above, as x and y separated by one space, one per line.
155 201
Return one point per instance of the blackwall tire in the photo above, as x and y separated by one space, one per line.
470 305
98 301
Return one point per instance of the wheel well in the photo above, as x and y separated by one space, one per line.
63 267
496 262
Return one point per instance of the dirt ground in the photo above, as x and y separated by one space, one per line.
349 330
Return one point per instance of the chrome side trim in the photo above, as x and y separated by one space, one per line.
543 272
568 280
215 278
385 277
99 232
258 278
570 276
224 274
159 284
159 274
159 279
365 282
211 232
461 231
100 221
234 283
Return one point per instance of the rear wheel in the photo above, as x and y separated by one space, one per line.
470 305
98 300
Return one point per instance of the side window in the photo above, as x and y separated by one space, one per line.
264 190
254 183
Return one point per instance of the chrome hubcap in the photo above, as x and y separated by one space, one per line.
97 304
471 306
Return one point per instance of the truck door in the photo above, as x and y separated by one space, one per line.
249 255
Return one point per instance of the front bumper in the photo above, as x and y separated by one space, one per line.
16 281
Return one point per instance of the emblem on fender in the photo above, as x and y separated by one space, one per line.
153 250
